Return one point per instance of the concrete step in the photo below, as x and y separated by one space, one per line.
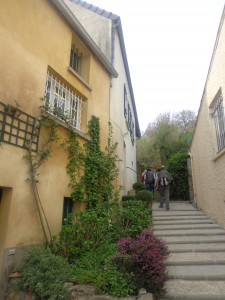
194 290
177 218
190 258
194 239
196 272
211 247
177 213
185 226
203 232
187 221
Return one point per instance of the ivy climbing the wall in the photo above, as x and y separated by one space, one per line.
91 170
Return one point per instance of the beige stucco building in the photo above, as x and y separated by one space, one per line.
106 30
208 145
42 43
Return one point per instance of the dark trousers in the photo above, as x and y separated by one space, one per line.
150 187
164 192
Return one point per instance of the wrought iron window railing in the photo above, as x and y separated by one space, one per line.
218 114
59 96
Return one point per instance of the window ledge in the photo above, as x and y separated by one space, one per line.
80 78
69 127
218 155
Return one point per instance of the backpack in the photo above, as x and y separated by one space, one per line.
164 181
150 178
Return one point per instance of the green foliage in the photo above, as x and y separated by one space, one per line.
177 166
139 186
145 196
92 171
128 197
45 274
134 217
165 137
88 230
96 268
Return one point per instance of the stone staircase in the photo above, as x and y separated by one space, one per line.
196 267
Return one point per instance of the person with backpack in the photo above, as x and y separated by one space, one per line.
150 180
163 185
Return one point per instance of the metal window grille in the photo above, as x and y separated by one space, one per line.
58 95
218 114
18 128
125 102
75 59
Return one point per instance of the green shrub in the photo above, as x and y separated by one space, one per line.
89 240
96 268
177 166
131 220
45 274
128 198
145 196
139 186
107 222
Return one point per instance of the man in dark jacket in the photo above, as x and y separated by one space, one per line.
163 185
150 180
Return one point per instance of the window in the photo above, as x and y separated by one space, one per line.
67 208
79 61
75 59
63 101
218 115
128 115
125 102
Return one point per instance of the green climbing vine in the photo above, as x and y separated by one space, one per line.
92 171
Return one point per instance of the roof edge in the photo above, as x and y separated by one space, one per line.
82 33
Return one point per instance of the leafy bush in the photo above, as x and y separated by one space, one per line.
132 219
107 222
177 166
145 196
144 258
96 268
45 274
139 186
85 231
128 197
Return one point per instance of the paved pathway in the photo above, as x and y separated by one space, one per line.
196 267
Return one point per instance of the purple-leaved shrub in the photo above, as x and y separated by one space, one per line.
144 257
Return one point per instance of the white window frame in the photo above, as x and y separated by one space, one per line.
58 95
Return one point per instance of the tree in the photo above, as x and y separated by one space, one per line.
185 120
165 137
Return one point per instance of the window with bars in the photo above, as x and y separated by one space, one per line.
218 115
60 97
75 59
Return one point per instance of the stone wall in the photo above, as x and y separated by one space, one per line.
79 292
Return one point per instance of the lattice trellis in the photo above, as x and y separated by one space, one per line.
18 128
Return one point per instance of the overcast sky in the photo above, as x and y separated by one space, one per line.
169 44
